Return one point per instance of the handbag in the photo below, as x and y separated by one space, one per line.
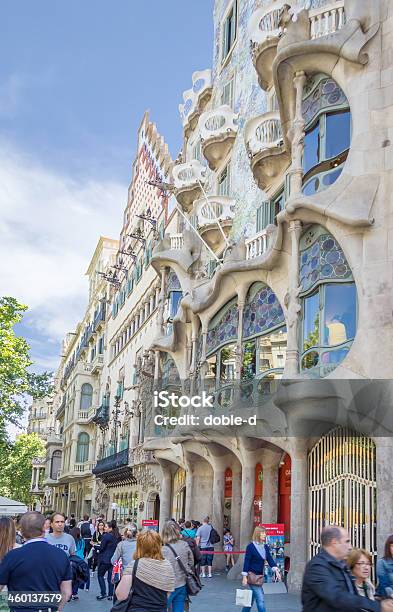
123 606
255 579
244 597
117 571
193 582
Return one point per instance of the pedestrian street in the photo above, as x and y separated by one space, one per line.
217 595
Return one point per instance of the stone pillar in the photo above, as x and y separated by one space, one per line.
384 461
296 171
239 352
189 509
293 303
156 366
32 478
247 506
236 505
218 511
270 493
166 494
160 319
299 515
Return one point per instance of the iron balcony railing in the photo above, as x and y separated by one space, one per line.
112 462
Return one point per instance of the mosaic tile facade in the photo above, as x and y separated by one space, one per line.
223 327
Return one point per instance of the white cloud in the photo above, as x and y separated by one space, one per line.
49 227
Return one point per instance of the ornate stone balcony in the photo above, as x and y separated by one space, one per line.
86 416
97 363
195 99
218 128
265 147
177 241
187 179
217 209
257 245
327 20
264 31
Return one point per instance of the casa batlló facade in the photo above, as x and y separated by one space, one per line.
257 267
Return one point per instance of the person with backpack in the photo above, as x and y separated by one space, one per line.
79 552
206 537
87 531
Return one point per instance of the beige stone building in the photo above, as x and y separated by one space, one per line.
270 288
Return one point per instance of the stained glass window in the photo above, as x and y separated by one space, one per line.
173 283
329 302
223 327
262 311
321 258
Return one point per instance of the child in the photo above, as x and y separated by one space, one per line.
228 548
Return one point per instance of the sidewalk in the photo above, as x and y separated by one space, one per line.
217 595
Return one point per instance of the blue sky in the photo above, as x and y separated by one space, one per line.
75 80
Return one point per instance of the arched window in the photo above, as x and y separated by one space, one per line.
328 133
329 303
82 448
86 396
221 345
264 334
55 464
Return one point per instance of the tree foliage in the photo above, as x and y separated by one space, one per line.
15 468
16 382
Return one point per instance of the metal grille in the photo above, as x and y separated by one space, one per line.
342 488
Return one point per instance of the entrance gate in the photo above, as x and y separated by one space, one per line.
342 488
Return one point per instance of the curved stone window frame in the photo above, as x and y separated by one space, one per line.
82 447
317 109
315 298
55 464
86 396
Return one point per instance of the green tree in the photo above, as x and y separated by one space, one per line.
15 472
16 382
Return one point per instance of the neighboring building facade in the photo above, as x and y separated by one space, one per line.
82 362
277 266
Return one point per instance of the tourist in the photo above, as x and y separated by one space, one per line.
87 531
58 538
207 548
257 554
7 543
108 545
80 553
174 547
188 530
385 570
36 567
327 582
359 562
228 548
95 543
47 526
126 548
154 576
129 524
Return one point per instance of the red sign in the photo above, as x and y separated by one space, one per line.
273 529
150 525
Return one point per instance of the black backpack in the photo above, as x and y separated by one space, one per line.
214 538
85 530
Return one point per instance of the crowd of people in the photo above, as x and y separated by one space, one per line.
144 571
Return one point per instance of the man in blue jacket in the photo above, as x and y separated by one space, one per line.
37 567
328 585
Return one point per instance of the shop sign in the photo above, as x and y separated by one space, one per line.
149 524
